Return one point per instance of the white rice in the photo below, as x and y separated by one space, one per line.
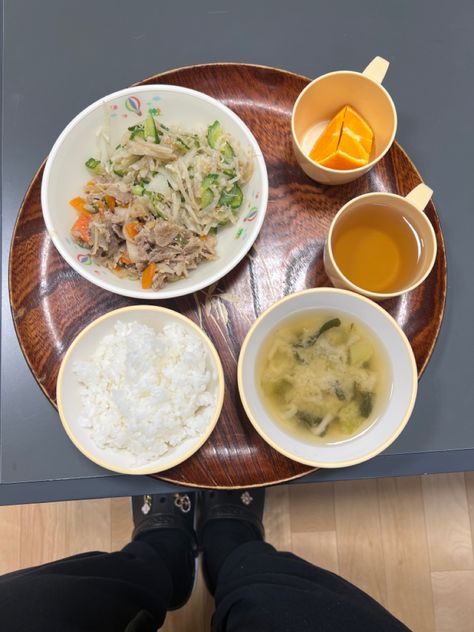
144 392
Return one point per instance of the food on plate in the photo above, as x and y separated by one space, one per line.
143 392
153 206
323 377
346 142
377 248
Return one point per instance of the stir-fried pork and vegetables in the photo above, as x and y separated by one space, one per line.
152 209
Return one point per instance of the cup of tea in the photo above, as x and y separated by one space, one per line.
323 98
381 244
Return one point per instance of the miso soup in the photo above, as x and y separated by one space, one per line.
324 377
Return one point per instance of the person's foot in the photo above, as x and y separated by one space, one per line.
166 523
226 520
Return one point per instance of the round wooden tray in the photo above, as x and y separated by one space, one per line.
51 304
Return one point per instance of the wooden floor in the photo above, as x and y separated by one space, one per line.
408 542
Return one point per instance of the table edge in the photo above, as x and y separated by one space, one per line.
383 466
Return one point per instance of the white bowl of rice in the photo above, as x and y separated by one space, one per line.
140 389
154 192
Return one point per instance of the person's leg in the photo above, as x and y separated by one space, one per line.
97 591
259 588
129 590
263 589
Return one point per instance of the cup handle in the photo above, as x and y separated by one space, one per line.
377 69
420 196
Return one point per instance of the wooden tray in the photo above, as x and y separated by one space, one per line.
51 304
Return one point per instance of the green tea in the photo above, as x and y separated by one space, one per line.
377 248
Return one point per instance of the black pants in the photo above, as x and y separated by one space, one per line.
258 589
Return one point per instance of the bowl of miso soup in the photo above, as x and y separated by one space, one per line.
327 377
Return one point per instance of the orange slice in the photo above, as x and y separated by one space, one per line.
345 143
328 141
359 127
349 143
341 160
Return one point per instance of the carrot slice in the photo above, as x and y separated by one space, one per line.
79 203
132 229
147 276
81 227
110 201
125 259
101 206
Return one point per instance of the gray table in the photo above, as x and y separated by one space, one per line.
60 55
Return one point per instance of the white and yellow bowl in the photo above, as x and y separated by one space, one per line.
393 416
65 176
69 401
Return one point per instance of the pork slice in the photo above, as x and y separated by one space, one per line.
165 233
117 229
122 197
158 280
201 246
138 251
180 269
103 238
135 252
167 254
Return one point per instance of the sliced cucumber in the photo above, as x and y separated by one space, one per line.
156 199
213 133
119 172
94 165
137 131
150 130
209 180
227 150
207 197
232 198
138 189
